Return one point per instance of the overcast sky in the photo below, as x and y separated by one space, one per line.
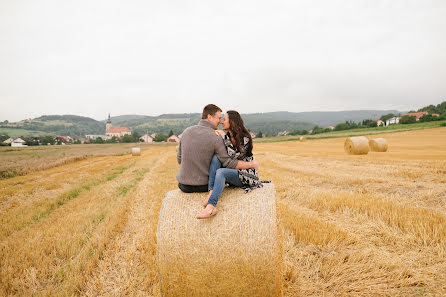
90 58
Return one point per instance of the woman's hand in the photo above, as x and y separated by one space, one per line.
220 132
255 164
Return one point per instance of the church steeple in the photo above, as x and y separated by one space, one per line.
108 125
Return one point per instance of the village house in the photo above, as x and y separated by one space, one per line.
64 139
253 135
115 131
18 142
173 138
94 137
146 138
417 115
9 140
282 133
394 120
330 127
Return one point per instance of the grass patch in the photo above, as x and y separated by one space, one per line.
76 191
123 190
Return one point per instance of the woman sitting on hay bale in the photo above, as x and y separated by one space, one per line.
239 145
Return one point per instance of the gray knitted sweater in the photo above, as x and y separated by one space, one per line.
197 146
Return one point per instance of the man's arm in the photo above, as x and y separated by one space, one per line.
179 153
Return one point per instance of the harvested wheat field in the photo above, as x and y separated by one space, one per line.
350 225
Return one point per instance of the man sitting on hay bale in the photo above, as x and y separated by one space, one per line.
197 147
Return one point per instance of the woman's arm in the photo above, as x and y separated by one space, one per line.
246 165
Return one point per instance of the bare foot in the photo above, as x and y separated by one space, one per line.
208 212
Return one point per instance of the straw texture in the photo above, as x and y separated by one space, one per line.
357 145
136 151
378 145
235 253
303 138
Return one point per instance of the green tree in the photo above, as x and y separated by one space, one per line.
260 134
99 140
170 133
160 138
385 117
317 130
3 137
427 118
48 139
127 138
407 119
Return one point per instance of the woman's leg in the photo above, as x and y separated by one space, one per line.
223 175
213 167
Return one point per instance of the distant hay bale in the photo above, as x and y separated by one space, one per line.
136 151
235 253
357 145
303 138
378 145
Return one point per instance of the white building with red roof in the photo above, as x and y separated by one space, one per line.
418 115
115 131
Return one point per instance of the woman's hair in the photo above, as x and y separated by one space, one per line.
238 130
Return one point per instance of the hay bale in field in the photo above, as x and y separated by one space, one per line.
378 145
235 253
136 151
303 138
357 145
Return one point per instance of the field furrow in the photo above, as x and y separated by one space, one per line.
371 225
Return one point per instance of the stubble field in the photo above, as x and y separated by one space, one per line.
372 225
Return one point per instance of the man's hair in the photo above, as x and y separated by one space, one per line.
210 109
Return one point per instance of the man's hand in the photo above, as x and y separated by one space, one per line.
220 132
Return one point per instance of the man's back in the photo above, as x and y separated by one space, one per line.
197 146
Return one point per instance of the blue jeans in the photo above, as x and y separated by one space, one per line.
218 177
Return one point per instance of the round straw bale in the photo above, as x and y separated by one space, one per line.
357 145
136 151
378 145
303 138
235 253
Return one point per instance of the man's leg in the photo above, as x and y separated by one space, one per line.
193 189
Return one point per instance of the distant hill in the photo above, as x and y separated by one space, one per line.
269 122
326 118
71 125
124 118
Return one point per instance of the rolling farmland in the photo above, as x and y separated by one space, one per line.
370 225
